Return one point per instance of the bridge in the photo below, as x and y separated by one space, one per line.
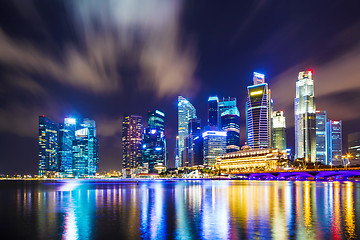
312 174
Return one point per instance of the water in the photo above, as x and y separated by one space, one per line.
179 210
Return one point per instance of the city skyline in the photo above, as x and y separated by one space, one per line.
50 67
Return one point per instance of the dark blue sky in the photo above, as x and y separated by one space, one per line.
103 59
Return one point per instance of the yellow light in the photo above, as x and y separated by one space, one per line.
256 93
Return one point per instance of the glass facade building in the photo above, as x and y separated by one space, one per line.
48 146
305 122
132 130
321 138
66 139
85 149
278 130
258 114
192 143
213 112
154 148
186 111
214 146
154 143
230 123
74 147
334 129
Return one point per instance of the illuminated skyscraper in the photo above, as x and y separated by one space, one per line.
305 123
321 138
66 138
132 128
194 150
225 104
186 111
213 112
154 143
85 149
48 146
230 122
156 120
334 135
354 145
214 146
278 130
258 114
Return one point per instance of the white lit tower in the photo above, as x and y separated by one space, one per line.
305 118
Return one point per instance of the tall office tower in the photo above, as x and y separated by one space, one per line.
321 138
132 129
154 148
278 130
258 114
156 120
186 111
230 122
66 138
214 146
305 123
213 113
194 132
225 104
334 135
48 146
154 143
85 149
354 145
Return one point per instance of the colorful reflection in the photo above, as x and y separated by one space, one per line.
181 210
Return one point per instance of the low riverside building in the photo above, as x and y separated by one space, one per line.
249 160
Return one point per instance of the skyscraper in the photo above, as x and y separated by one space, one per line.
132 128
279 130
258 114
213 112
230 123
194 154
334 134
85 149
186 111
321 138
154 148
156 120
305 123
66 138
354 145
48 146
214 146
154 143
225 104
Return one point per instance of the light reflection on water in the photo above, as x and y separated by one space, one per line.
180 210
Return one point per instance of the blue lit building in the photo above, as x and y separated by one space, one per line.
186 111
258 114
154 143
230 122
132 130
321 138
193 146
66 138
48 146
85 149
213 113
214 146
334 134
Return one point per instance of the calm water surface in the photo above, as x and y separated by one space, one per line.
179 210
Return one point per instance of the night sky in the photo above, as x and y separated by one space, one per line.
104 59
